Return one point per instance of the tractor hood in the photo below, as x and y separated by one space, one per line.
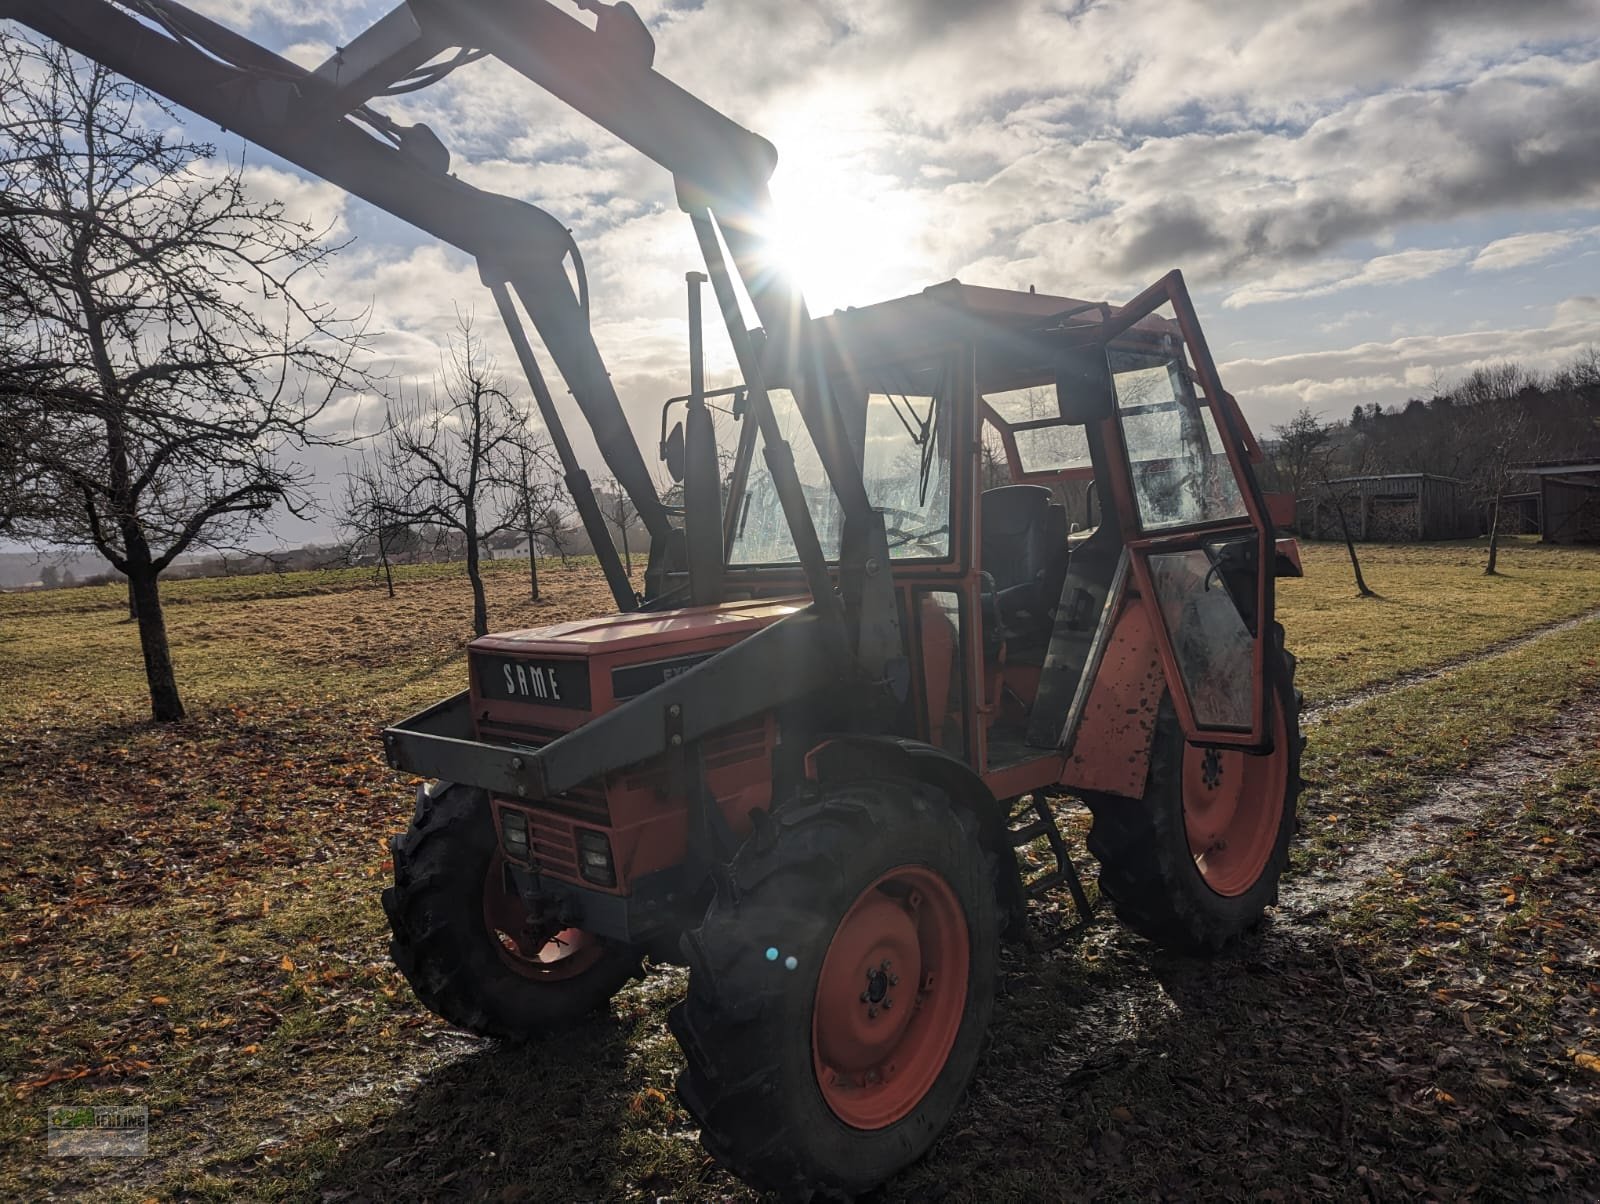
543 681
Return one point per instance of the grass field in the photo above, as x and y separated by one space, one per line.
190 921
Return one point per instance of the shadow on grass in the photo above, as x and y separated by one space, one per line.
535 1121
1299 1067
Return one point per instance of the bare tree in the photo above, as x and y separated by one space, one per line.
152 327
454 451
1319 466
1300 450
553 524
1501 435
367 507
619 510
532 487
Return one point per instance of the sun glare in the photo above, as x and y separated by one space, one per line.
848 236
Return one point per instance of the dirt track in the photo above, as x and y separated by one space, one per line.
1332 706
1455 804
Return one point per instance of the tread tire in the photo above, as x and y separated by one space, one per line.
1146 868
745 1026
446 951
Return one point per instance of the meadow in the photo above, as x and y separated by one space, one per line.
189 920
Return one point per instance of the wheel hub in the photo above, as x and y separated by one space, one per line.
879 980
890 997
534 946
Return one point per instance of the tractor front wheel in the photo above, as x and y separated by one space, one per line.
1194 864
839 989
461 935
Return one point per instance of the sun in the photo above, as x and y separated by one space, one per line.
848 234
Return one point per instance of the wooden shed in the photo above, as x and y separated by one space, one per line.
1569 499
1396 508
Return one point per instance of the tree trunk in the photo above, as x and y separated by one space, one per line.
1494 537
144 587
1350 546
480 604
533 563
383 556
133 605
626 554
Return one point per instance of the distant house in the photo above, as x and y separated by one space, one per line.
508 545
1569 499
1397 508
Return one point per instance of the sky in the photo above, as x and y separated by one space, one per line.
1366 197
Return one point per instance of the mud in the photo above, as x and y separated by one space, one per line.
1332 706
1456 803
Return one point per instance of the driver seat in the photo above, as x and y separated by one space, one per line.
1023 531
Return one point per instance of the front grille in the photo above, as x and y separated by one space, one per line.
553 845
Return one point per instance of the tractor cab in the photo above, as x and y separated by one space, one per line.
1037 461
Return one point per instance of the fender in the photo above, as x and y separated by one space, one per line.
852 757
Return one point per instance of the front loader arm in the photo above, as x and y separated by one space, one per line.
721 171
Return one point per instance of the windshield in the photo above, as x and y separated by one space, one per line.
904 444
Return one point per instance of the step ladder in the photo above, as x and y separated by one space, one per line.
1028 823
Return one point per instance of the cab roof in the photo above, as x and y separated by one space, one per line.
1014 331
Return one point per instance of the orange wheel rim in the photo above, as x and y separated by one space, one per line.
1233 808
890 997
546 956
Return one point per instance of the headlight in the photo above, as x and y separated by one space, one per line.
594 858
514 834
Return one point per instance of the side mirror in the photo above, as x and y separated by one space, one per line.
673 453
1085 391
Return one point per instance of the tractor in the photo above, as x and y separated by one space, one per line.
965 557
832 853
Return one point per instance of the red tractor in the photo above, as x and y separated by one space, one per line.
829 850
999 551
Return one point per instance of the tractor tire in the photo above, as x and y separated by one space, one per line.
1240 811
812 1069
450 935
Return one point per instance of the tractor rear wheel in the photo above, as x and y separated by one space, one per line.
839 990
1195 863
461 935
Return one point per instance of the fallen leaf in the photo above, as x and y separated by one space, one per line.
287 964
1588 1061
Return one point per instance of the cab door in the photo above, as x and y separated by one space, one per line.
1199 538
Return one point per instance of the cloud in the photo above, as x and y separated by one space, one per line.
1079 145
1336 275
1271 389
1521 249
1584 310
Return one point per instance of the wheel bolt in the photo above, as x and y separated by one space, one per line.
894 980
887 1003
872 1013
